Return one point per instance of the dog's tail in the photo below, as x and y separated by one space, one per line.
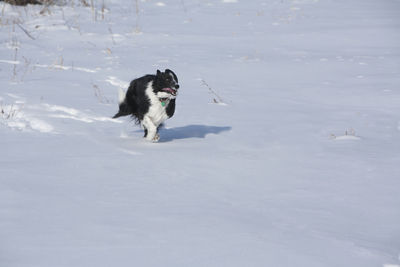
124 109
121 96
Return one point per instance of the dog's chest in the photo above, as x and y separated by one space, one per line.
157 112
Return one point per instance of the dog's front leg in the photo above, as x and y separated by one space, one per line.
152 134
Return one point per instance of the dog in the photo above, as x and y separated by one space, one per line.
150 100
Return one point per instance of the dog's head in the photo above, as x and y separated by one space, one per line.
166 84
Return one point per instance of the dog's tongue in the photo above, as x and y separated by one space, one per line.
170 90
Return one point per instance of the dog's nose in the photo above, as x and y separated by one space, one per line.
177 86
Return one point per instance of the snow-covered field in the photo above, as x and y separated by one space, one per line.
284 149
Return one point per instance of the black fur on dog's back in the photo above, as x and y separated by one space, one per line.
136 103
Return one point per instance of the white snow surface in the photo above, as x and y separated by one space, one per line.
284 149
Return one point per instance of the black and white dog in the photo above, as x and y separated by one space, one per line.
150 100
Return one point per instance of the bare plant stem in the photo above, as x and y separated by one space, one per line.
103 7
99 95
93 10
25 31
15 65
137 29
84 3
112 37
218 99
10 113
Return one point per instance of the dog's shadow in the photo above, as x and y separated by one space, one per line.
190 131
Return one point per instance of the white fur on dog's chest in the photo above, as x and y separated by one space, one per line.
157 112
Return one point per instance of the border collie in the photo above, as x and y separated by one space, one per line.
150 100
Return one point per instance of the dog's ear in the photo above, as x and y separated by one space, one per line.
172 73
158 73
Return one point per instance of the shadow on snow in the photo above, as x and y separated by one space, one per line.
191 131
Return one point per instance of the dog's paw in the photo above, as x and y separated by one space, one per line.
153 138
156 138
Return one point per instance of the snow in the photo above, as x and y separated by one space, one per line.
283 151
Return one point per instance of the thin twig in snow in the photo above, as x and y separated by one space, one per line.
218 99
25 31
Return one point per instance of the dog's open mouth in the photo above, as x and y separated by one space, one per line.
169 90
